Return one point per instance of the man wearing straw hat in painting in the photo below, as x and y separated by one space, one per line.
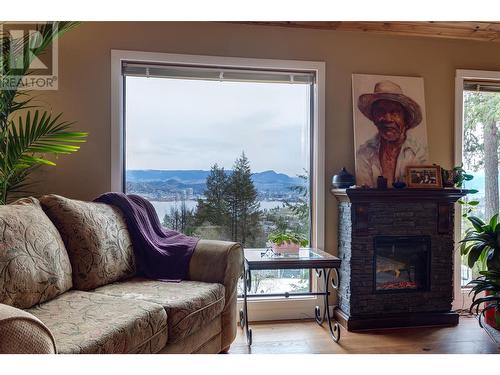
391 149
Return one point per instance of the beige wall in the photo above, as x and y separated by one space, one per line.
84 84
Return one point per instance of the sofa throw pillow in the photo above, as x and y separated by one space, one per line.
34 265
96 238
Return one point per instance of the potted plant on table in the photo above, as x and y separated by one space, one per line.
287 241
482 244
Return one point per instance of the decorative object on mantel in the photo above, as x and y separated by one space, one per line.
460 176
389 126
447 177
381 182
399 184
455 177
343 179
396 247
424 176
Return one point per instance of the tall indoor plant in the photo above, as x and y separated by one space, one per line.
482 244
27 132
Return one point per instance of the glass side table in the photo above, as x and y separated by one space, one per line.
305 258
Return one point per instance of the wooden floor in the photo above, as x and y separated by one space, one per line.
307 337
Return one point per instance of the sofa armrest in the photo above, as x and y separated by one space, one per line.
23 333
220 262
217 262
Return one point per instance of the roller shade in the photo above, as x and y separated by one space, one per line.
483 86
133 69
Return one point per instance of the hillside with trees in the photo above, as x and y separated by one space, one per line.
230 209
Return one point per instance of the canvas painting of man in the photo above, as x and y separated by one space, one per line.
389 127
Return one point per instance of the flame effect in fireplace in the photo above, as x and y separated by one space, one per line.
398 285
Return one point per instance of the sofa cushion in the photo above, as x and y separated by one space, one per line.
96 238
189 304
34 265
195 341
90 323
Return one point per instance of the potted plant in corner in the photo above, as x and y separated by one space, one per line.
287 241
28 133
482 243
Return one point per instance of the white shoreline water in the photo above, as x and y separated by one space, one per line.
163 207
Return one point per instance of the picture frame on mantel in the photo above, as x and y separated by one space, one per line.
424 176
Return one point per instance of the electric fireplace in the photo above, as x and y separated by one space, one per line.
401 263
397 257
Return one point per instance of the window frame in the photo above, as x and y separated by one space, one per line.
260 310
461 75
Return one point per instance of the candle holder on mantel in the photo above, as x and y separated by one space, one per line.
381 182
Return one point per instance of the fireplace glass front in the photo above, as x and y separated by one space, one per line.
401 263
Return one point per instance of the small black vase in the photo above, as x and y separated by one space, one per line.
381 182
343 180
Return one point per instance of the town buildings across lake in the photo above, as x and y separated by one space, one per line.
164 207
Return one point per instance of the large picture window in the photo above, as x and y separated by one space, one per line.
223 154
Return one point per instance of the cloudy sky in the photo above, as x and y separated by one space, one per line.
192 124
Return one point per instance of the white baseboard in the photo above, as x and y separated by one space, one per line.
463 300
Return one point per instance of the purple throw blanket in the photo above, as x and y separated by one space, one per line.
160 253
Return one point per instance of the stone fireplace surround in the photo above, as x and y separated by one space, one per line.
366 214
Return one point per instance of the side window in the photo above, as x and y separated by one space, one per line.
481 117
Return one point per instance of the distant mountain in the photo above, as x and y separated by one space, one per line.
142 181
271 181
185 176
273 177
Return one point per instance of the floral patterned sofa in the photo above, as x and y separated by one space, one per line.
68 284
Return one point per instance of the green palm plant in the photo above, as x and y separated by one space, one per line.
488 282
28 133
482 244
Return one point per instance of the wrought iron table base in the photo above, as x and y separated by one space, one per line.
334 326
319 316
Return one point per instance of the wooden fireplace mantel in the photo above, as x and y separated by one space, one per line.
360 195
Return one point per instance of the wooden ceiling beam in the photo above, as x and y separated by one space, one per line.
484 31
